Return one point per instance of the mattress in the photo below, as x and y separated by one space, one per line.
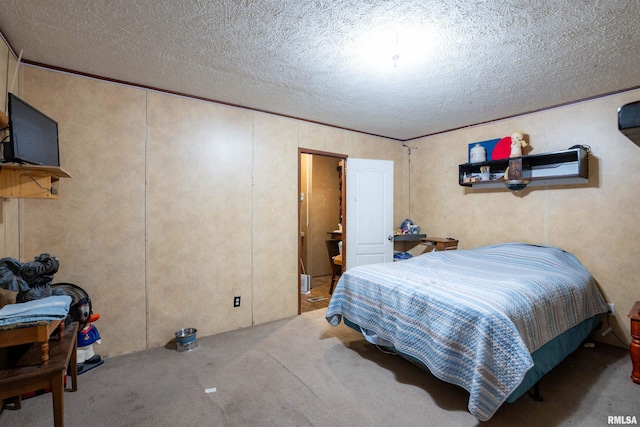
473 317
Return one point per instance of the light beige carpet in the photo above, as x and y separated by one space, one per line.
303 372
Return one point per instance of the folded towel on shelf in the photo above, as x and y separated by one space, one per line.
49 308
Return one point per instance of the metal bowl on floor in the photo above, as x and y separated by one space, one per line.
186 339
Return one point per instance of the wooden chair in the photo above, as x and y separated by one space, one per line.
336 269
337 261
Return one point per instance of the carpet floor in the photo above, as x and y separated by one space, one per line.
301 371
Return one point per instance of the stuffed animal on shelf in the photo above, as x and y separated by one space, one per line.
408 227
517 144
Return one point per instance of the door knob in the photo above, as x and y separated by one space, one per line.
390 238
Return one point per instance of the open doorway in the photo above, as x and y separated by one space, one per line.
321 215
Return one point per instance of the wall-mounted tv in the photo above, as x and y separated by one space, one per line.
33 135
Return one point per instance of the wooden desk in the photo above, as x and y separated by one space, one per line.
26 373
36 333
440 243
634 347
406 241
408 237
336 234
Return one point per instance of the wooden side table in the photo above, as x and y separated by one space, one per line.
336 234
634 347
32 332
28 374
440 243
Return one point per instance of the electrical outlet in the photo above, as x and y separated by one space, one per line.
612 311
236 301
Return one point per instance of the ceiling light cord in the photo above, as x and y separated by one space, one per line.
409 168
15 73
396 58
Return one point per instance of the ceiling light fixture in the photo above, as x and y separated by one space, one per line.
374 47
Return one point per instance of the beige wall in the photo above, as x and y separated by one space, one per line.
177 205
174 207
306 168
324 212
10 209
598 222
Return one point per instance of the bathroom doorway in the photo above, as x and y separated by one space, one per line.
321 216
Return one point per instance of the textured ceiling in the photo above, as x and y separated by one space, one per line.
331 61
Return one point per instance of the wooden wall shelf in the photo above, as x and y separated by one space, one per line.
30 181
556 168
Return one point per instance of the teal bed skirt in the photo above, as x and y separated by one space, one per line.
545 358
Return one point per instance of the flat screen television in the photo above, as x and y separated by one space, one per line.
33 136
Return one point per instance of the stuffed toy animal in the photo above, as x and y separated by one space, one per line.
517 144
32 280
81 311
408 227
87 337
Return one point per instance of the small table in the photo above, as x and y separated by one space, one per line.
27 374
34 332
408 237
407 240
441 243
335 234
634 347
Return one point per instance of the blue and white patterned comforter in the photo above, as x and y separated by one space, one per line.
473 317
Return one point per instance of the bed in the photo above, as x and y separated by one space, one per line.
492 320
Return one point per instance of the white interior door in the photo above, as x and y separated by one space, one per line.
369 205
